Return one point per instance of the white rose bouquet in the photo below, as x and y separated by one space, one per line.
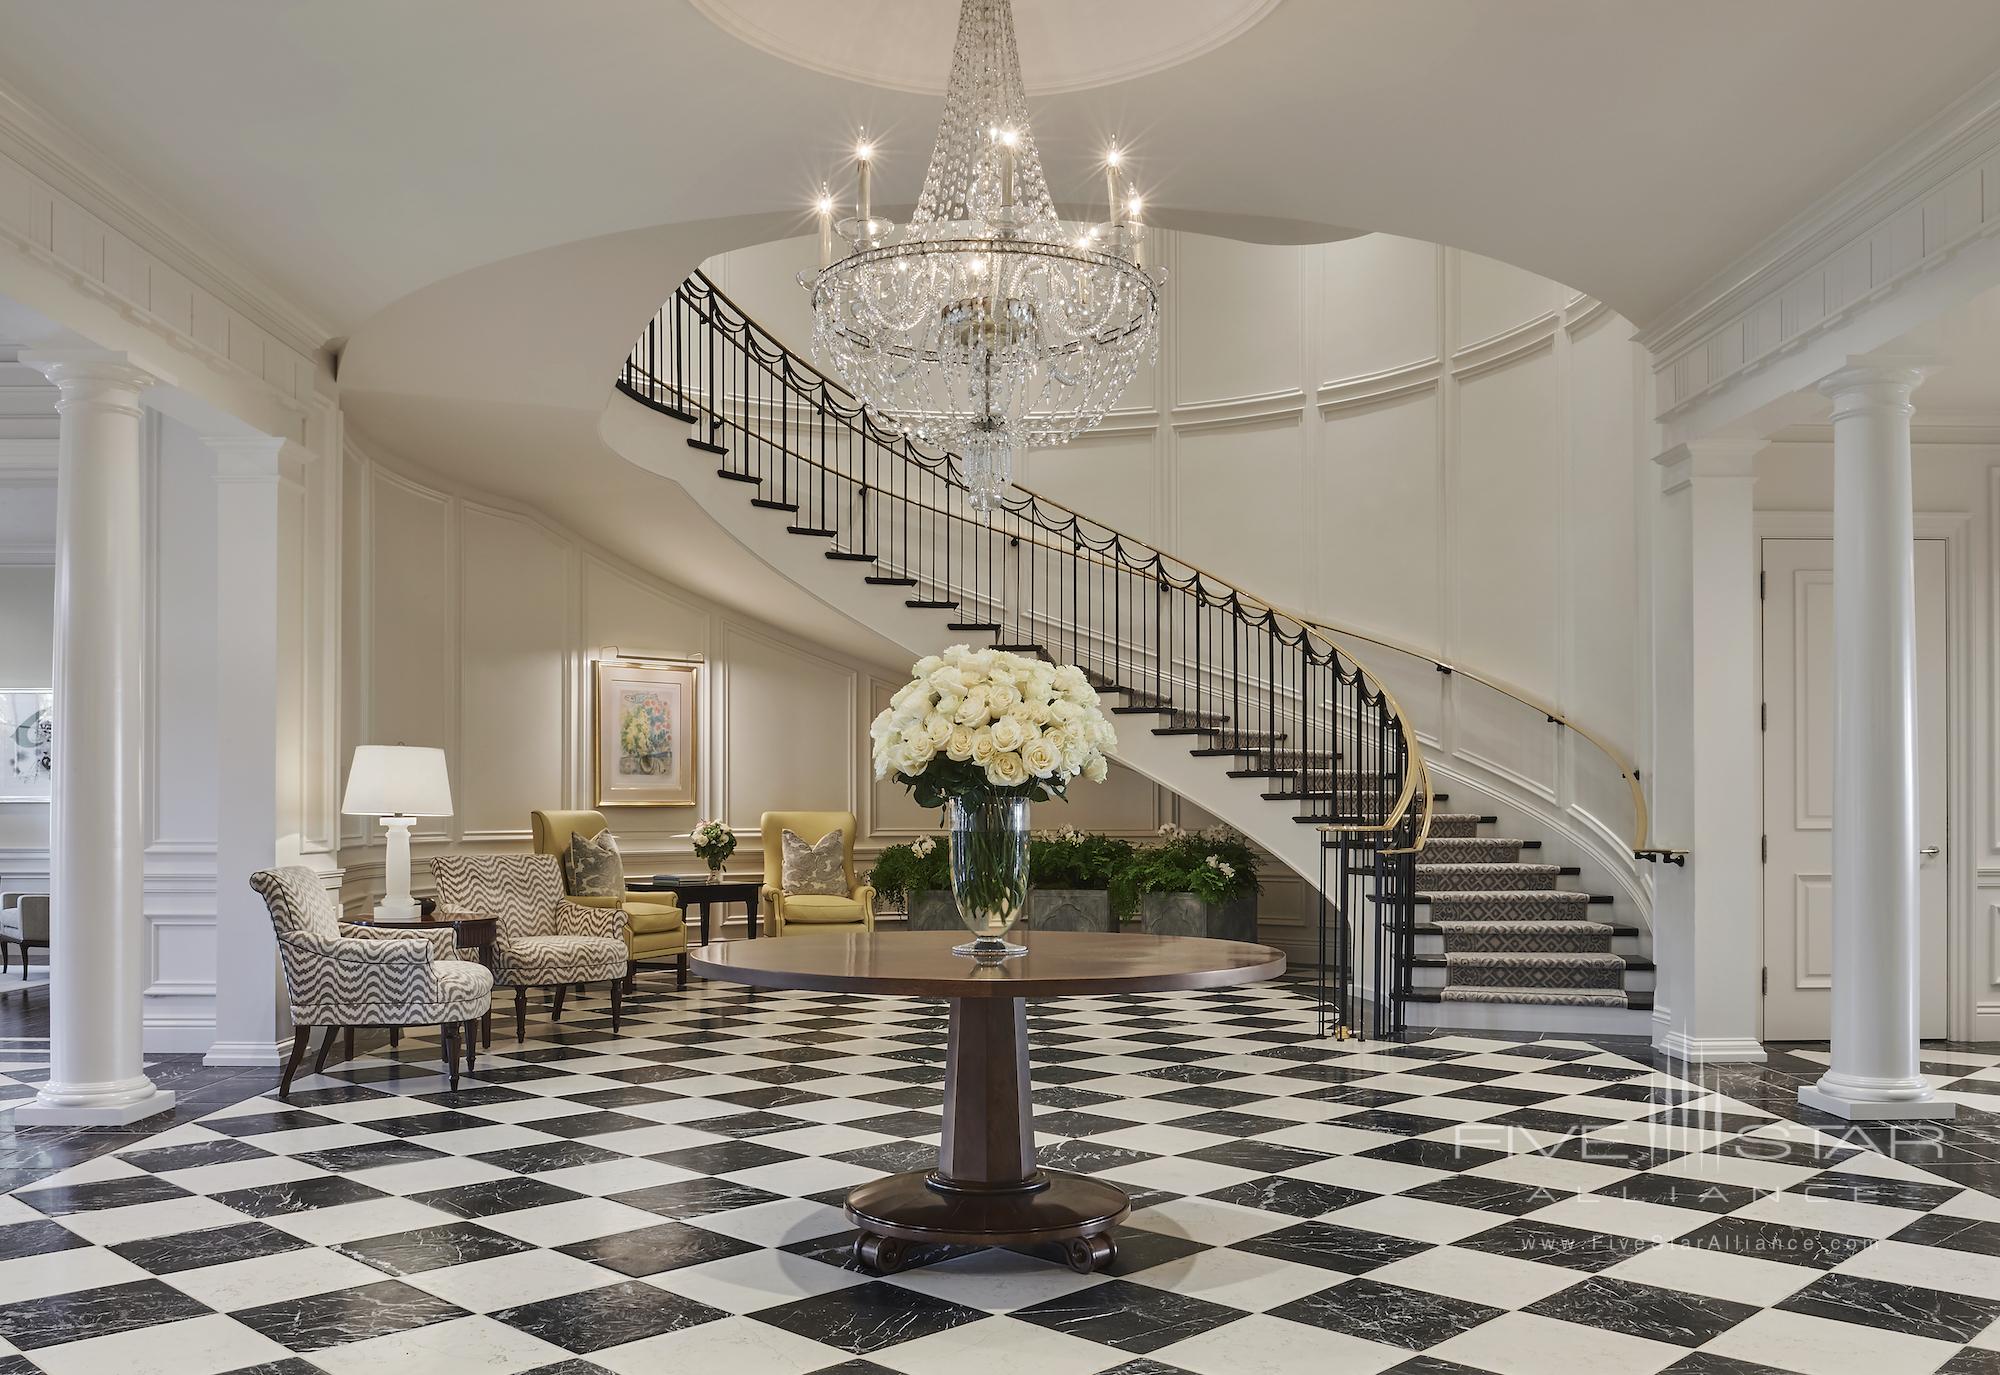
981 724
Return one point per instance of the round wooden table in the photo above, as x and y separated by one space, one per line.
987 1189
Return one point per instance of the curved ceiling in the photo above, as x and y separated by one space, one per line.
905 45
355 153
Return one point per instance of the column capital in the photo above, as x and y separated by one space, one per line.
1708 459
1876 381
92 376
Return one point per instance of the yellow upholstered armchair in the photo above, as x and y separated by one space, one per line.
855 912
654 931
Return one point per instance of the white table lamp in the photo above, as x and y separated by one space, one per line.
397 783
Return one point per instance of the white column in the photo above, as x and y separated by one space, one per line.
1705 781
257 498
1875 941
96 820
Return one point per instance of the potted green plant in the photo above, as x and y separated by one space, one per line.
1197 883
917 877
1074 875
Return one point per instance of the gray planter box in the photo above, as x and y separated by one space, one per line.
1049 909
1070 909
933 909
1184 914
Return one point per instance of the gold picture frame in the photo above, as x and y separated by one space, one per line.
646 734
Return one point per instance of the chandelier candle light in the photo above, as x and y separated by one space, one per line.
982 734
987 324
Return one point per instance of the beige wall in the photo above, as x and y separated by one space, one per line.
27 657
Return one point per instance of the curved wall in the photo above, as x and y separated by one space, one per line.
1406 439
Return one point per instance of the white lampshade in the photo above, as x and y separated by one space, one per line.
397 780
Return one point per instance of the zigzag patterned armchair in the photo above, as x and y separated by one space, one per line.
545 940
340 975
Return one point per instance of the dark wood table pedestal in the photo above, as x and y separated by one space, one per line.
987 1189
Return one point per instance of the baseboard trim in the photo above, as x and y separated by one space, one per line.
1711 1050
249 1054
178 1037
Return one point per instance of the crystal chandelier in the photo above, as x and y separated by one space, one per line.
987 324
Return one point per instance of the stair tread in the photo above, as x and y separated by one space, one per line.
1543 997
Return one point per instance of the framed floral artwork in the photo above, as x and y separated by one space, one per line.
27 744
647 734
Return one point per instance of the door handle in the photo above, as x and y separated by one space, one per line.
1930 852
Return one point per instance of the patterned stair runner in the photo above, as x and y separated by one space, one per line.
1511 933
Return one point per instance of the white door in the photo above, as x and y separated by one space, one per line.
1798 785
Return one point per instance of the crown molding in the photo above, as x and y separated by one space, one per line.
52 152
1902 215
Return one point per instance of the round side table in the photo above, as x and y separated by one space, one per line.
987 1189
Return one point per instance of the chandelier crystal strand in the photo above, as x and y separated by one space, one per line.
988 324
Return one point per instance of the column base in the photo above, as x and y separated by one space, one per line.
57 1107
1927 1107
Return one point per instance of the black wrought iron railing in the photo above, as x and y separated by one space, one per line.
1269 691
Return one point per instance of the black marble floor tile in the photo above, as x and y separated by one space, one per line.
650 1250
541 1157
347 1315
188 1157
1742 1236
1088 1157
1553 1244
1295 1197
724 1157
1782 1151
694 1197
1618 1155
625 1311
211 1246
1493 1195
253 1124
1433 1155
109 1193
1895 1307
1332 1247
492 1196
750 1125
1678 1191
891 1157
1128 1316
296 1196
1387 1313
87 1313
1140 1249
1643 1310
1849 1187
1972 1361
1224 1122
869 1317
1266 1157
426 1123
1953 1234
1712 1363
37 1238
1391 1123
583 1125
370 1155
431 1248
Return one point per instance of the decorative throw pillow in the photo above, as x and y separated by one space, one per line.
594 867
815 870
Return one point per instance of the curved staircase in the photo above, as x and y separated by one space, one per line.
1255 713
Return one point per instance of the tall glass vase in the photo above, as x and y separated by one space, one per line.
989 872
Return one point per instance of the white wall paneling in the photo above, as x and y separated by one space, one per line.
1427 446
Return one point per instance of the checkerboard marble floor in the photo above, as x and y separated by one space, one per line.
667 1199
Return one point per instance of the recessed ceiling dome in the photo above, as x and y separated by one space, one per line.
905 45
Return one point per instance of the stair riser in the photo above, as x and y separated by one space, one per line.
1533 971
1471 850
1486 878
1426 943
1634 981
1520 906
